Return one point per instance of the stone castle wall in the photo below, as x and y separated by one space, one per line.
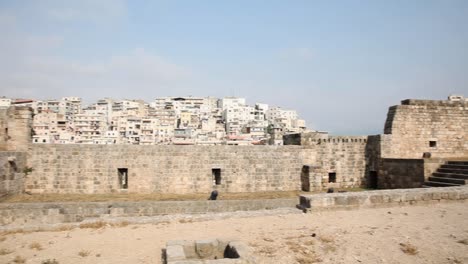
163 169
419 126
189 169
318 161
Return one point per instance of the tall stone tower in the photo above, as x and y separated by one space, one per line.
15 128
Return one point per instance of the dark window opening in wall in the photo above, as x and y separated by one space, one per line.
305 179
332 177
43 141
216 176
372 184
432 144
123 178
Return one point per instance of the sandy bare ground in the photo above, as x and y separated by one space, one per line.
414 234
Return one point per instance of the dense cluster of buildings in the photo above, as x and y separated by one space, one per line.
166 120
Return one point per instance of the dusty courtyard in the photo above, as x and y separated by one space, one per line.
414 234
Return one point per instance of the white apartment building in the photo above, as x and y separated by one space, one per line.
51 127
5 102
89 127
167 120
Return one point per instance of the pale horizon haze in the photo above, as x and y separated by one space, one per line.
340 64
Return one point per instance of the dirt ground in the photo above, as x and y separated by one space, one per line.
413 234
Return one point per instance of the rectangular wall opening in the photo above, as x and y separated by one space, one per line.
332 177
123 178
216 176
305 178
372 184
432 144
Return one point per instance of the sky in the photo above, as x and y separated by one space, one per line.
340 64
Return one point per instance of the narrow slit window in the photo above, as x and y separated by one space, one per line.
123 178
332 177
216 176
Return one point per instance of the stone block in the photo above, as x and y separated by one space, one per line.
206 248
175 252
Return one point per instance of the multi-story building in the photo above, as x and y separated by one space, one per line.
90 127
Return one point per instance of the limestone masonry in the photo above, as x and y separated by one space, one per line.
419 137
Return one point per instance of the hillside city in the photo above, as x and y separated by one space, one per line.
165 121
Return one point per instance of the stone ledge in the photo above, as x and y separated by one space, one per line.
19 214
369 199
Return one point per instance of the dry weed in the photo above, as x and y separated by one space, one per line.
50 261
19 260
23 198
310 258
93 225
326 239
84 253
304 254
64 228
408 248
268 251
13 232
463 241
185 221
121 224
4 251
36 246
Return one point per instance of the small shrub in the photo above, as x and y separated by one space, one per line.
84 253
409 249
36 246
463 241
27 170
19 260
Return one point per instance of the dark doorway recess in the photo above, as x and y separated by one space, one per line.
216 176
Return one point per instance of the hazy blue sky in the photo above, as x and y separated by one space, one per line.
340 64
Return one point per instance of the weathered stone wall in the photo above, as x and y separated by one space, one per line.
15 128
30 214
163 169
418 126
12 167
344 156
401 173
188 169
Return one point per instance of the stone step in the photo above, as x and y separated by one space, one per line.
439 184
447 180
450 175
454 166
456 171
457 162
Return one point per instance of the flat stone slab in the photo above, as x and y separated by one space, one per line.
377 198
